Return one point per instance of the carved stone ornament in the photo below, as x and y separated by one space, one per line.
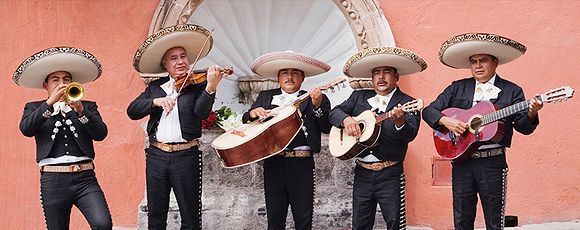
250 86
365 18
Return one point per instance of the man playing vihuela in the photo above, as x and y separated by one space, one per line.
173 159
289 175
64 128
379 176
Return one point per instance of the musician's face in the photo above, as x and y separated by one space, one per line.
175 62
55 79
483 67
290 79
385 79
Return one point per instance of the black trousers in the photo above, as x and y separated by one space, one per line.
178 170
486 176
289 181
385 187
60 191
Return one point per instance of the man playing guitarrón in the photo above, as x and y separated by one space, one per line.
485 172
379 175
288 176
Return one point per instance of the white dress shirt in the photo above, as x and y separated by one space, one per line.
169 128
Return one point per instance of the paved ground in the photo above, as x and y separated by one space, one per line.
570 225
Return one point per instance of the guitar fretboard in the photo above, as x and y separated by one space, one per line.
507 111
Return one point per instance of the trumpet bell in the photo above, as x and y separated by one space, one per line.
74 91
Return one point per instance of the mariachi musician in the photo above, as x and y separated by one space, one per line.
289 175
482 53
176 105
64 128
379 176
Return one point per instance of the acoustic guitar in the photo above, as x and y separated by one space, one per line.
263 138
484 125
344 147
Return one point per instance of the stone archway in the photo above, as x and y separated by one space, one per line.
365 17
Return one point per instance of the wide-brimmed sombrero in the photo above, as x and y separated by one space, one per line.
455 52
191 37
82 66
361 64
269 64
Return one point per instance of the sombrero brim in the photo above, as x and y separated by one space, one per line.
191 37
269 64
361 64
82 65
456 51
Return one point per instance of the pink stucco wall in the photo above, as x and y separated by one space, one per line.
112 31
544 177
544 173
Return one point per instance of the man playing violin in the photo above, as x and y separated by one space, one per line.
379 176
481 53
64 132
173 160
289 175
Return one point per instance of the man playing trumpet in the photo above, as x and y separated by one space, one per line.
64 131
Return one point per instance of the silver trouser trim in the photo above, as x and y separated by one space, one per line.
402 209
503 196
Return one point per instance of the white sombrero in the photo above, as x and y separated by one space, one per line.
269 64
361 64
455 52
191 37
82 66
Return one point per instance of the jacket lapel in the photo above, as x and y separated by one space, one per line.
500 83
304 104
469 91
395 99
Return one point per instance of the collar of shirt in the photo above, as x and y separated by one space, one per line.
284 98
380 102
169 87
485 91
60 107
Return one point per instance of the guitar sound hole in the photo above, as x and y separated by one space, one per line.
475 123
361 126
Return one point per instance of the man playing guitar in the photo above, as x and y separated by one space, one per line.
379 175
289 176
481 53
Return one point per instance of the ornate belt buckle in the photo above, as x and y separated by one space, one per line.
75 168
476 155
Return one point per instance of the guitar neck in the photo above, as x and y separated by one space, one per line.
300 99
507 111
382 117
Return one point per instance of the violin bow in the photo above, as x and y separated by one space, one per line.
189 72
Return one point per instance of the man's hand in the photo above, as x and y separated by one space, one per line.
535 106
166 103
351 126
259 113
397 115
453 125
77 106
214 76
316 96
56 95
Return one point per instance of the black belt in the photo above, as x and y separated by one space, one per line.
488 153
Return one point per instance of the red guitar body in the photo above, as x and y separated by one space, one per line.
462 147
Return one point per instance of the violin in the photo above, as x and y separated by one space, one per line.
198 76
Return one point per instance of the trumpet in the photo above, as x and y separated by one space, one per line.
74 91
